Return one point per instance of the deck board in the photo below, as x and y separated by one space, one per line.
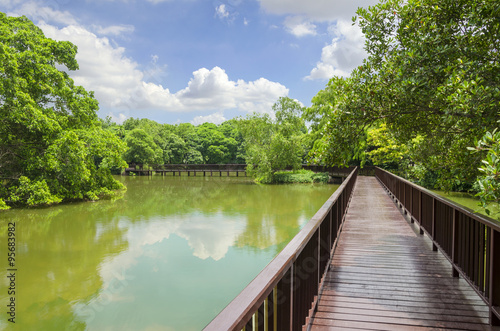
385 276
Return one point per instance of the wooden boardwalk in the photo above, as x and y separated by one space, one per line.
385 276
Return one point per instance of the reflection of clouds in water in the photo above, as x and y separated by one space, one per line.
209 236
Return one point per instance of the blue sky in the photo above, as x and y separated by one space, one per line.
195 60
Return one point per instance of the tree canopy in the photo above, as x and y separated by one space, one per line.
52 146
432 78
273 144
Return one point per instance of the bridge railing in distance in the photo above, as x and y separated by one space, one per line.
200 167
236 166
283 293
470 241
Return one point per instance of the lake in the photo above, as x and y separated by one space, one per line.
471 202
169 255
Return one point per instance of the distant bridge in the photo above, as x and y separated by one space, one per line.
226 169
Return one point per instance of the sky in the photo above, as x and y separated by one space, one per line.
178 61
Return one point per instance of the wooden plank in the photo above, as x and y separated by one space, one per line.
377 308
410 322
429 298
325 324
400 287
449 316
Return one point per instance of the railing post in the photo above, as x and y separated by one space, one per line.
292 281
454 244
434 246
494 278
410 209
266 314
255 321
275 308
420 212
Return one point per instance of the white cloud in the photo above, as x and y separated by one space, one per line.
344 53
320 10
114 30
346 49
299 27
213 89
118 83
221 11
225 14
216 118
36 12
103 67
118 119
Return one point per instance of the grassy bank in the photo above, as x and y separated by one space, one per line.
299 176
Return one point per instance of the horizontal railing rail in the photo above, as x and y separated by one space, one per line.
342 171
191 167
470 241
283 293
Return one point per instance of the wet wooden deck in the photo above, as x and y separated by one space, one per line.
385 275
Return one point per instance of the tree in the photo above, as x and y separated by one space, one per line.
142 149
176 148
211 143
489 180
273 145
52 146
383 150
432 73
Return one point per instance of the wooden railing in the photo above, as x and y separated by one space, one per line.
282 295
470 241
197 167
242 167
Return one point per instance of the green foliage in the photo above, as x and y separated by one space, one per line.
489 180
215 147
52 145
300 176
183 143
3 205
142 148
33 193
432 77
383 150
273 145
175 149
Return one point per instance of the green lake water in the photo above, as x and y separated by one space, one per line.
169 255
471 202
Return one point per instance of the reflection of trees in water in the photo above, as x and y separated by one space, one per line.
273 212
281 214
62 248
59 251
